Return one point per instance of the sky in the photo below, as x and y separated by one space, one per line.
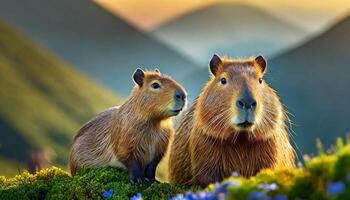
149 14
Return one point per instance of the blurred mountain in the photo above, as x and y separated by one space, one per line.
313 82
43 102
93 40
229 28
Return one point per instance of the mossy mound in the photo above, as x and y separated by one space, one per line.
54 183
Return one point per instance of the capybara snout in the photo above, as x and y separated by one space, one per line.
246 102
246 106
180 101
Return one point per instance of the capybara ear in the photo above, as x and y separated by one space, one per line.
138 76
261 61
214 64
157 70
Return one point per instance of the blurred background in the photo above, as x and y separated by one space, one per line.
61 62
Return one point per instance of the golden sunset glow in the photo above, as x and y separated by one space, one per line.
147 15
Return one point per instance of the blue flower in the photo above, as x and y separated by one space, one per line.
335 188
255 195
107 193
268 187
206 196
178 197
223 187
190 196
136 197
280 197
194 196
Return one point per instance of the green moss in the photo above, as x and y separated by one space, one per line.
54 183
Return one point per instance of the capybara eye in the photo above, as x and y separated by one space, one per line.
260 80
155 85
223 81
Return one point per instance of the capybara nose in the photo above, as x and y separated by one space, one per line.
246 103
179 95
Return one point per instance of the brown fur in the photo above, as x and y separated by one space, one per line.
137 131
208 146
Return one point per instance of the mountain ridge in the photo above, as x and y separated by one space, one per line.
94 41
228 28
219 5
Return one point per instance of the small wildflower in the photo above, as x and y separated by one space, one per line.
221 196
138 196
107 193
335 188
280 197
206 196
306 157
268 187
255 195
223 187
235 174
190 196
178 197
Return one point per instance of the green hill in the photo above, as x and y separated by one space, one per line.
93 40
42 101
229 28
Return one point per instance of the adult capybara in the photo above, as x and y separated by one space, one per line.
236 124
134 135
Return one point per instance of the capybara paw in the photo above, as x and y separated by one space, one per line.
135 180
148 180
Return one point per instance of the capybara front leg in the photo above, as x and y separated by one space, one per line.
150 172
134 170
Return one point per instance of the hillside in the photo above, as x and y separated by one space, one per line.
96 42
312 81
42 101
228 28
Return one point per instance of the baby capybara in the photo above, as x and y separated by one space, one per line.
135 134
237 124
